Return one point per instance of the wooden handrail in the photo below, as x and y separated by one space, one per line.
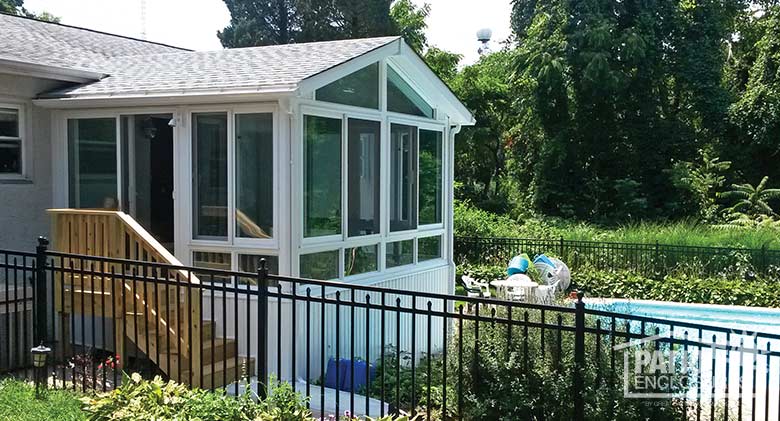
114 234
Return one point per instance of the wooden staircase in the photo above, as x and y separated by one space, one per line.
155 308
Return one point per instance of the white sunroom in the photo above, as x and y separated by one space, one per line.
332 160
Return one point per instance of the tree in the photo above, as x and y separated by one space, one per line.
409 22
753 201
269 22
443 63
16 7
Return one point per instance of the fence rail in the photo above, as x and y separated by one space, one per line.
376 351
647 259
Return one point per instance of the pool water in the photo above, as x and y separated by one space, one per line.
736 318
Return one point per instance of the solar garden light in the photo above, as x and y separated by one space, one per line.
39 354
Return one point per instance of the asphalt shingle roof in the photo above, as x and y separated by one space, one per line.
257 68
51 44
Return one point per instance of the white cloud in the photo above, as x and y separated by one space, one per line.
194 23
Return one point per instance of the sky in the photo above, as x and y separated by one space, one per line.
452 24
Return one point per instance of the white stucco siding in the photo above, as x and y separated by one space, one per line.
24 200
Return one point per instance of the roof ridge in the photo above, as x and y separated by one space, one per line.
94 31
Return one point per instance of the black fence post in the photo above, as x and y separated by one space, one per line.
561 255
262 329
40 291
579 358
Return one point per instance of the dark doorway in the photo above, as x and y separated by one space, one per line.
149 174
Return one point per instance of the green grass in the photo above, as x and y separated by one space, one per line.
18 403
470 221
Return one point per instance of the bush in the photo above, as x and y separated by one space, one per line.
512 380
678 287
17 402
139 399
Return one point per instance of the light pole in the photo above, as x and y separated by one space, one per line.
39 354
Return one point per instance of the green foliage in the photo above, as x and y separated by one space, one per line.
139 399
499 383
17 402
409 22
16 7
753 201
703 180
677 288
471 221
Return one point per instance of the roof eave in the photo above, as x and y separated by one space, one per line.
179 97
43 71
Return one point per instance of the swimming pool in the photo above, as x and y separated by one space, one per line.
725 363
736 318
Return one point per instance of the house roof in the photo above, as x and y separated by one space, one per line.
32 41
271 68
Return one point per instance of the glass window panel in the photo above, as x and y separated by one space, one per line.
428 248
360 89
210 178
402 98
92 169
9 122
360 260
403 177
323 266
10 156
251 262
212 260
430 177
254 175
399 253
322 176
363 177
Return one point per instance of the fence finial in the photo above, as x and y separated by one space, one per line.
580 295
43 241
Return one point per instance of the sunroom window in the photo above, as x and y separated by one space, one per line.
210 178
92 168
322 176
402 98
430 177
399 253
359 260
403 177
323 265
363 177
428 248
10 141
360 89
254 175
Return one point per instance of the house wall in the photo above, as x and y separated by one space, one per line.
24 200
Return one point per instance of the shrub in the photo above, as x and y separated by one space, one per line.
678 287
139 399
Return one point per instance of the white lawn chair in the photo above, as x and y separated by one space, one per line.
475 288
545 294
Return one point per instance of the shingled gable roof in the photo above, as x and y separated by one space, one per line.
274 68
26 40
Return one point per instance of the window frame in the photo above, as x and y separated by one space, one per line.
232 238
22 138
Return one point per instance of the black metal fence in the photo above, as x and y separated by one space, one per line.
651 260
375 351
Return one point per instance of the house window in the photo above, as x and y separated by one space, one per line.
10 141
399 253
92 163
323 265
254 175
428 248
402 98
251 262
403 177
212 260
359 260
210 175
363 177
360 89
430 177
322 176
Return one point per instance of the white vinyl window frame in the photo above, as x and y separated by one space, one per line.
232 240
22 138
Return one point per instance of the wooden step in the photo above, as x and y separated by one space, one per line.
88 302
220 349
224 372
